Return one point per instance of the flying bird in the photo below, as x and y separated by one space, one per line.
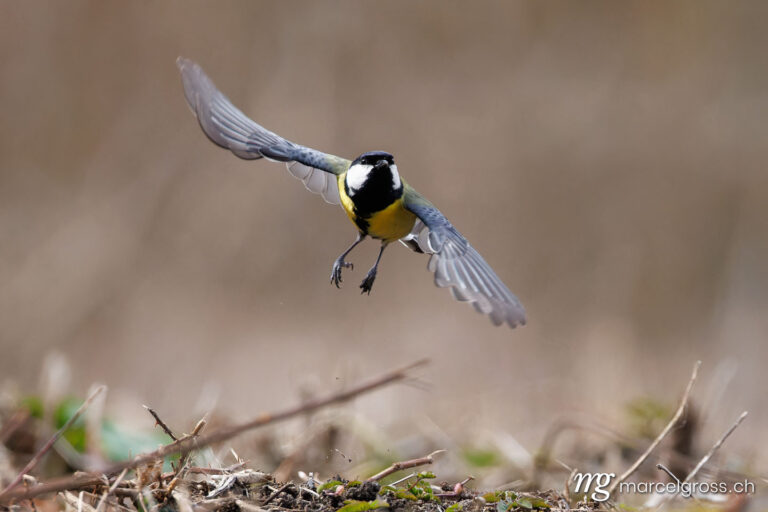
371 192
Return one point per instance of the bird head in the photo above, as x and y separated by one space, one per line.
373 167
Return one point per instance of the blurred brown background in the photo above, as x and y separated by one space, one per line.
606 158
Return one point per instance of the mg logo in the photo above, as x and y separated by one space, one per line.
595 481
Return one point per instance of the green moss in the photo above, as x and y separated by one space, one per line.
496 496
330 484
522 502
362 506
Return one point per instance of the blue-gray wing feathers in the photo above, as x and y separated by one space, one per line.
456 264
229 128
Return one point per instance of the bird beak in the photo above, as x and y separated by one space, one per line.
381 164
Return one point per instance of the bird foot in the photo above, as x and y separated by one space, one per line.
336 271
367 283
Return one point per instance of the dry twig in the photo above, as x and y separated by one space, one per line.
545 457
215 471
49 444
458 490
278 491
406 464
185 457
77 502
715 447
110 491
662 435
705 458
185 445
160 422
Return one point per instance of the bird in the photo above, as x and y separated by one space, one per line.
371 191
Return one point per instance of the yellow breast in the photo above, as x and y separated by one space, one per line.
389 224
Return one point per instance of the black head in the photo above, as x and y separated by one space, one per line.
372 181
374 157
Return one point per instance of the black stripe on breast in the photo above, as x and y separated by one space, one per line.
375 194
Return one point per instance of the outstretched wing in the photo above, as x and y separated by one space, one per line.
229 128
457 265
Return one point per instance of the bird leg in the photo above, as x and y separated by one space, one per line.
340 263
367 283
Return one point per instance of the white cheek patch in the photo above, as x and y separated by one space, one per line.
357 175
395 177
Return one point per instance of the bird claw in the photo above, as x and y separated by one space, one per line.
336 271
367 283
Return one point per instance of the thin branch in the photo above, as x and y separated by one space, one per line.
111 502
672 423
704 460
184 446
715 447
209 471
77 502
458 490
111 490
185 457
49 444
560 426
160 422
278 491
401 480
406 464
667 471
567 488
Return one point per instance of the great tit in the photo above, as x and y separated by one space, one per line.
374 196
